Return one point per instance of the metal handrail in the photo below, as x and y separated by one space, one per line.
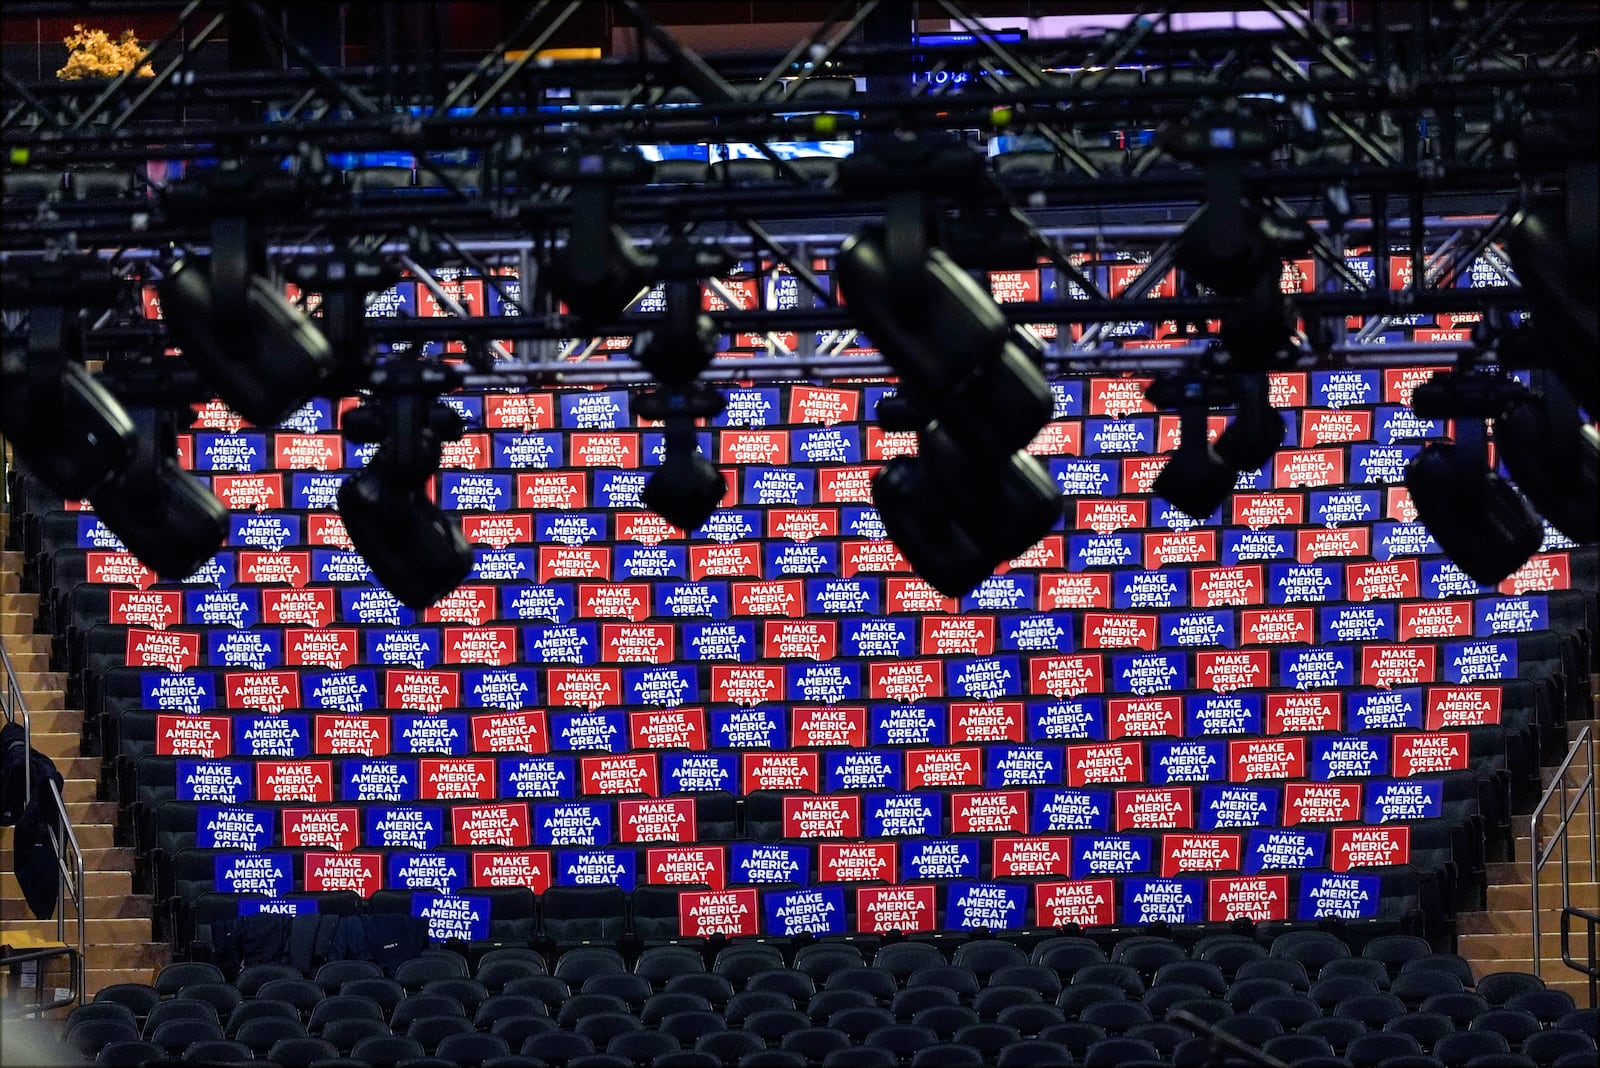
1591 966
1571 799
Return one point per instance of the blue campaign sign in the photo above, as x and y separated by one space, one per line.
939 858
508 689
1163 901
1285 849
813 911
751 406
1085 476
451 918
226 782
683 772
1164 515
442 872
433 735
1248 546
537 776
377 779
1068 393
233 827
599 410
1086 552
1023 765
315 416
789 559
470 409
1111 854
1222 713
339 566
692 600
1206 628
503 565
533 451
1304 583
870 636
270 874
661 687
760 862
1066 719
276 906
1348 757
1380 464
419 827
1147 673
566 823
569 528
1232 806
844 596
1395 709
749 728
1392 800
374 606
271 531
94 534
1392 541
218 572
971 906
862 521
359 454
620 489
477 491
919 814
254 649
562 643
1055 811
908 725
1011 592
1150 589
267 735
654 445
1394 424
351 691
1344 896
242 453
731 524
826 445
768 486
1442 579
1474 661
872 396
1316 669
719 642
222 608
1037 633
824 683
1134 435
1357 623
315 491
1345 388
1175 762
1511 615
178 691
1343 507
986 678
594 732
416 647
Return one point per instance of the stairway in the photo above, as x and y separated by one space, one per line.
117 930
1500 939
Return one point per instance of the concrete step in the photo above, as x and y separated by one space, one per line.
100 978
20 604
1517 922
1579 847
1503 896
56 720
96 932
57 745
16 630
81 790
1494 947
43 700
107 901
1517 873
89 835
40 680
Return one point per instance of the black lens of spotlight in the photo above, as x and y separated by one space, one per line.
166 518
1256 432
1479 520
1194 480
685 489
415 550
923 525
74 441
1554 462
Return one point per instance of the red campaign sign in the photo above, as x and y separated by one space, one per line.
656 820
1117 397
821 406
1327 426
780 771
637 643
473 605
646 528
745 292
1014 287
905 682
1080 902
746 685
728 913
1332 543
944 767
1304 713
1258 511
183 447
1321 802
1218 587
1398 665
735 560
1382 580
1462 706
1106 515
425 691
511 732
612 448
1266 758
986 721
912 594
871 558
325 531
957 635
1427 754
1287 389
883 445
1046 554
1435 619
1398 382
886 909
530 868
1145 717
989 812
1308 467
856 862
846 485
1427 335
214 414
574 562
1179 547
1543 572
1198 852
170 649
830 726
1227 670
687 865
1105 762
1120 630
1021 858
262 568
329 647
322 828
802 524
753 448
1298 276
833 816
583 687
328 873
1067 676
336 735
1151 808
1063 437
269 691
1370 847
249 493
1086 589
519 411
156 609
467 292
202 736
614 600
555 491
1139 473
308 452
784 597
309 607
1261 898
457 779
1277 626
294 780
498 529
1169 430
671 728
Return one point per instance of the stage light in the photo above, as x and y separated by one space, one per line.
1257 430
1552 455
1483 524
1195 480
686 487
599 270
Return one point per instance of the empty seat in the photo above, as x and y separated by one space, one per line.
747 1002
1290 971
689 1027
1513 1026
386 1052
129 1054
949 976
659 964
738 963
1116 1052
1029 1020
261 1035
814 1043
1426 1027
1251 1028
1116 1017
821 959
947 1055
1368 1050
716 989
1395 951
218 1051
1311 948
878 982
1361 968
900 959
346 1033
1549 1047
174 977
140 998
89 1037
1449 963
1204 974
1499 987
1414 988
1546 1006
796 985
471 1050
983 957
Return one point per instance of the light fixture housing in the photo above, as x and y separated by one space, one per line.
415 550
1480 521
